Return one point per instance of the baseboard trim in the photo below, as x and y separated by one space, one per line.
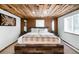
8 46
71 46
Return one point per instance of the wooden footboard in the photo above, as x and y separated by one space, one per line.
38 48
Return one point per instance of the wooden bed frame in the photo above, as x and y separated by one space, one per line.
39 49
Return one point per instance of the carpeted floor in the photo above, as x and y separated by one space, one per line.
10 49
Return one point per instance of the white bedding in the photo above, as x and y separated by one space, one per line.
39 38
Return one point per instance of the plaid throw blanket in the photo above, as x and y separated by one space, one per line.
40 39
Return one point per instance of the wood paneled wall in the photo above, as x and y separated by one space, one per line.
22 25
56 24
48 23
31 22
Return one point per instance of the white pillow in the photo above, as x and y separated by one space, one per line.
39 30
43 30
34 30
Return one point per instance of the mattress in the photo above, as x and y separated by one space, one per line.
39 38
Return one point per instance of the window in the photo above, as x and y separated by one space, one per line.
52 25
39 23
25 25
71 24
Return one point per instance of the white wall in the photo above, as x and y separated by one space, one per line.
9 34
71 38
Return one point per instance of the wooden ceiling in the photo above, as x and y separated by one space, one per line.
39 10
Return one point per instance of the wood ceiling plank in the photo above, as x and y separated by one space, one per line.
59 10
55 9
31 8
20 9
45 9
51 9
27 10
6 8
62 8
39 10
13 8
70 9
67 9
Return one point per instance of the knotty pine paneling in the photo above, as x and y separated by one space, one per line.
22 25
48 23
39 10
56 24
31 22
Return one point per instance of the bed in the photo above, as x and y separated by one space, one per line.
39 40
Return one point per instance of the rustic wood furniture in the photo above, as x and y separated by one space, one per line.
39 49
